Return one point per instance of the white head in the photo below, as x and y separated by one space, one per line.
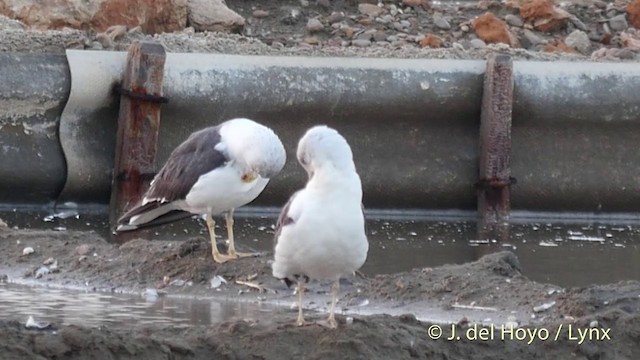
255 145
322 146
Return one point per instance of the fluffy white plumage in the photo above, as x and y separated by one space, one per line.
321 231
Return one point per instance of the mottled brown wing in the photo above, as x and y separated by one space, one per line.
283 219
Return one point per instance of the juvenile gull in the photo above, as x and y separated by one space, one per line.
216 170
320 233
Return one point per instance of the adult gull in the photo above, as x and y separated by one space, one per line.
320 233
216 170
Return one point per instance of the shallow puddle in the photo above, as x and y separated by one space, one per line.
64 307
558 252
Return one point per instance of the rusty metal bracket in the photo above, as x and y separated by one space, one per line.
140 96
494 196
495 183
138 127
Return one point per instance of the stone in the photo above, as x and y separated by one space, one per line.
536 9
324 3
335 17
514 20
559 47
259 14
440 22
153 16
314 25
493 30
579 40
213 15
361 43
630 41
369 9
544 15
618 23
431 41
312 40
600 4
10 24
578 23
533 38
416 3
633 10
379 36
477 44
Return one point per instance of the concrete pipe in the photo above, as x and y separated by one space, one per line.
413 125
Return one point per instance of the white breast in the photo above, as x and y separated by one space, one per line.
223 189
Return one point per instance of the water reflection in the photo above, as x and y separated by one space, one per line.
62 307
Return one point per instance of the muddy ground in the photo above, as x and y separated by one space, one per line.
185 268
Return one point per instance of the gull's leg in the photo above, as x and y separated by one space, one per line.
334 298
217 257
300 289
232 246
331 322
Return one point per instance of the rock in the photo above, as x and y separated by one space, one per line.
514 20
83 249
3 225
417 3
292 18
347 31
154 16
578 23
369 9
559 47
213 15
533 38
493 30
618 23
9 24
544 15
431 41
579 40
630 41
441 22
379 36
324 3
259 14
312 40
361 43
304 3
335 17
544 307
27 251
633 10
477 44
613 54
105 41
385 19
314 25
600 4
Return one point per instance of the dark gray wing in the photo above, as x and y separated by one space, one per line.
194 157
191 159
283 219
